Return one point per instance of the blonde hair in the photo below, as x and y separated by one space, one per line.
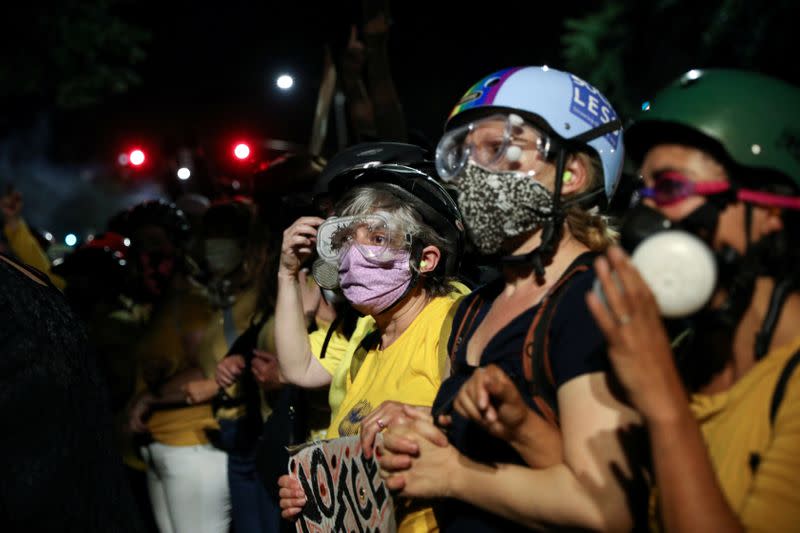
588 226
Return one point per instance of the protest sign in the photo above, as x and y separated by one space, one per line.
344 490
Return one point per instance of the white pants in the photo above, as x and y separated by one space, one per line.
188 488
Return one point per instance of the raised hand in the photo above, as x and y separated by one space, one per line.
638 345
299 241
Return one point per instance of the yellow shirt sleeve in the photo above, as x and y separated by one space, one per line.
334 353
27 249
773 501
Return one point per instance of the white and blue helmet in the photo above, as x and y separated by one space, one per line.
562 104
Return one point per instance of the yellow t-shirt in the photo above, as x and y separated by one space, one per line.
27 249
168 347
738 433
214 346
410 370
337 358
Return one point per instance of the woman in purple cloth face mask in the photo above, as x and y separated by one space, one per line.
372 285
372 252
392 251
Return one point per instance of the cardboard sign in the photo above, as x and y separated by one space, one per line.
344 490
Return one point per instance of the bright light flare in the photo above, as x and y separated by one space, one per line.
284 82
137 157
241 151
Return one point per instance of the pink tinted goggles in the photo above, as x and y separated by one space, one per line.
672 187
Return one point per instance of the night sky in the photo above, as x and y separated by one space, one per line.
208 79
211 68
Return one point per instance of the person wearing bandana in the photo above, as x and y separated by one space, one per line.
529 425
718 155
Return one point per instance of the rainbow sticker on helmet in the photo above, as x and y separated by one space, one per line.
484 92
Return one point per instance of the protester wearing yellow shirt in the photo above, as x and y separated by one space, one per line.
715 161
402 372
21 240
186 474
336 360
395 246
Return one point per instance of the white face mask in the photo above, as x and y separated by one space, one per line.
223 256
679 268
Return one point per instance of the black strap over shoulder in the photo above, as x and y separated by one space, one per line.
370 341
331 329
780 386
536 356
473 303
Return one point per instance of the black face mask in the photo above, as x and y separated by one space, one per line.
642 221
707 335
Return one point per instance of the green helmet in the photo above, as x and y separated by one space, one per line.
741 117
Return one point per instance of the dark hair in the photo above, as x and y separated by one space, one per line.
160 213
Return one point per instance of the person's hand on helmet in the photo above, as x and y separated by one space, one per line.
299 242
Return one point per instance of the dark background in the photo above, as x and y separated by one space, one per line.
81 82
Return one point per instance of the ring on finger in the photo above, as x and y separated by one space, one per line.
624 319
381 424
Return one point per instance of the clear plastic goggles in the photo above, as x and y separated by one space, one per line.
499 143
374 235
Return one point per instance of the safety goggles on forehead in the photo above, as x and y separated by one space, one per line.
500 143
376 236
671 187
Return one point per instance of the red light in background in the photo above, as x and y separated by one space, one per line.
136 157
241 151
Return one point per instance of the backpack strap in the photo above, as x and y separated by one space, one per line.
467 319
536 366
331 329
780 387
370 341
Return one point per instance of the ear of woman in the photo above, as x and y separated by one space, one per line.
430 259
575 175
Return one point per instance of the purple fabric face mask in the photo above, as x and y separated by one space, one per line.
373 287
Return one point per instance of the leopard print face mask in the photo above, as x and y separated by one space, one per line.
501 205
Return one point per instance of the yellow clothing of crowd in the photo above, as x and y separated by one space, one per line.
27 249
215 343
337 358
756 461
170 346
